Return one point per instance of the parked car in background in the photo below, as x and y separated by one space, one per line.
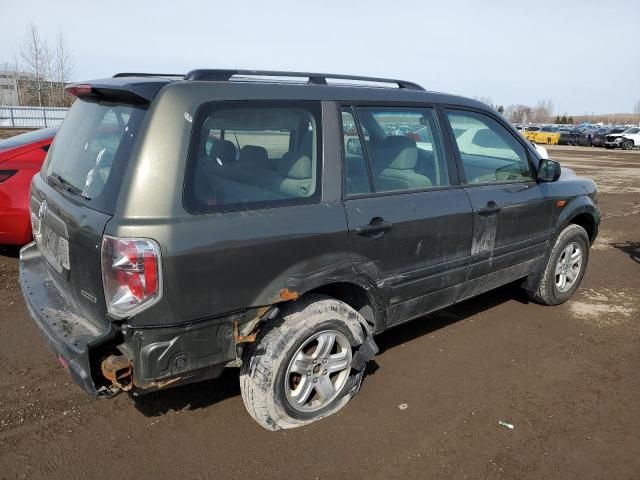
546 134
21 157
580 137
565 137
626 140
600 135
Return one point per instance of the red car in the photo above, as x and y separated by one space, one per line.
20 159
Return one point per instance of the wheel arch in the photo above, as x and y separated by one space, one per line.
582 212
586 221
359 296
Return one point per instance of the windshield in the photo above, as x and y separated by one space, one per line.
632 130
94 138
27 138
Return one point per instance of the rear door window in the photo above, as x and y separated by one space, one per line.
248 155
95 138
404 148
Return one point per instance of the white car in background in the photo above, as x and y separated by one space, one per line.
481 141
626 140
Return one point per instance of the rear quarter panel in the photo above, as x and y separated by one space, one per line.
219 263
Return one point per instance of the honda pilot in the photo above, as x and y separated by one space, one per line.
275 222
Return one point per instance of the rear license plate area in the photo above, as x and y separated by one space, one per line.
54 247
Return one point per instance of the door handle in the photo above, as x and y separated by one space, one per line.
376 227
492 207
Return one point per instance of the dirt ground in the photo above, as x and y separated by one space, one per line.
566 377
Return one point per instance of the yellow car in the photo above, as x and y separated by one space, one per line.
545 135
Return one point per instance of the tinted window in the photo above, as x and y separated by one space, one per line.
246 155
488 151
27 138
632 130
355 168
92 139
404 148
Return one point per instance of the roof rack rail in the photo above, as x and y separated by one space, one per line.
140 74
222 75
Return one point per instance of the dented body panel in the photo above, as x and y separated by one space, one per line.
427 249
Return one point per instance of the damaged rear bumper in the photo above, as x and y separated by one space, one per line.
68 334
167 356
103 360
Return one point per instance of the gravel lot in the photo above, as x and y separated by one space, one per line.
565 377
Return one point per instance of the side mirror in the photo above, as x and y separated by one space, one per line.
354 147
549 171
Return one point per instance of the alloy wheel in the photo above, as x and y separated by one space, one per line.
568 267
318 371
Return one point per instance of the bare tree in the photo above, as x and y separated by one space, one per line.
485 100
543 111
47 70
63 67
16 77
35 53
518 113
50 77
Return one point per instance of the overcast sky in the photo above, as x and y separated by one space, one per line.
584 55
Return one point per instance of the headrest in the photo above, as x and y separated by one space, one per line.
224 150
397 152
295 165
252 156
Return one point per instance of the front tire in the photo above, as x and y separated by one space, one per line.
565 267
306 364
627 145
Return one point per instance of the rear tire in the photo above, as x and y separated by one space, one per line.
565 267
306 364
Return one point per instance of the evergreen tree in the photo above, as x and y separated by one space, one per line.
500 109
570 120
564 119
557 119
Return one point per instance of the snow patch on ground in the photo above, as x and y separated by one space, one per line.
605 307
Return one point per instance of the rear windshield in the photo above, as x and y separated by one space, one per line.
27 138
91 150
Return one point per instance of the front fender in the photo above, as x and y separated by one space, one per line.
582 205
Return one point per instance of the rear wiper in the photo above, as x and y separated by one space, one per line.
69 187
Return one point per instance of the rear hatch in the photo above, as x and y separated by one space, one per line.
75 195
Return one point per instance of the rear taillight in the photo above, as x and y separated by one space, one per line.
6 174
131 274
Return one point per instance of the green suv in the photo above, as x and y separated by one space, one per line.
276 222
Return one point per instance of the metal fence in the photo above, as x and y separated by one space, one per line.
31 117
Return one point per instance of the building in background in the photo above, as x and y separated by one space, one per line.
19 88
10 86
